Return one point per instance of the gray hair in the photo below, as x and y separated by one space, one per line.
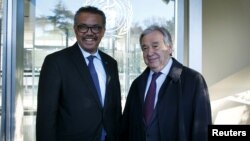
167 36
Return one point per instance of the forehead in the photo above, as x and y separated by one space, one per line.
89 18
152 37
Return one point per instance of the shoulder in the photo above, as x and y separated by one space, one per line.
64 53
184 72
63 56
142 78
193 78
107 58
181 69
189 72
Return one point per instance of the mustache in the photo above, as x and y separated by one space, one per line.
90 37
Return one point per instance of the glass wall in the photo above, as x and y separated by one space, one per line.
48 27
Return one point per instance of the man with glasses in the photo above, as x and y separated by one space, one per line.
79 96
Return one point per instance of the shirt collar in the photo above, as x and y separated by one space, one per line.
166 69
86 54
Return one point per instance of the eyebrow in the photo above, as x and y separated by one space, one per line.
156 42
93 25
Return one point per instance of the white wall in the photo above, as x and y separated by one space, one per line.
226 42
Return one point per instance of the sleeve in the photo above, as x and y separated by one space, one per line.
125 116
202 110
47 100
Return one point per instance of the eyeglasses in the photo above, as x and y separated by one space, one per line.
83 28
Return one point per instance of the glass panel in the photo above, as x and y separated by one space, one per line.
1 50
44 34
124 28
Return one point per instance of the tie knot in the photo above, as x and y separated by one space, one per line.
155 75
90 58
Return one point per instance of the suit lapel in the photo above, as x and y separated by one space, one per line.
168 98
81 66
142 86
171 79
106 66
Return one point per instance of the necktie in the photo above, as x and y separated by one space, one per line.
94 76
97 86
150 98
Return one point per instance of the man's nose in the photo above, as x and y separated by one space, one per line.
150 50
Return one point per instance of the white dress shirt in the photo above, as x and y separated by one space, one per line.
159 80
99 70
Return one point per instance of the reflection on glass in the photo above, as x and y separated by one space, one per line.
49 27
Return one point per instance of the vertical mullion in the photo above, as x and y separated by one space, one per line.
7 69
12 66
195 34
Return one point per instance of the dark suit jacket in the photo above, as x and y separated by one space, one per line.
68 105
183 108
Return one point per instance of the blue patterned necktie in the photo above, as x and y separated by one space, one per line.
150 99
97 86
94 76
